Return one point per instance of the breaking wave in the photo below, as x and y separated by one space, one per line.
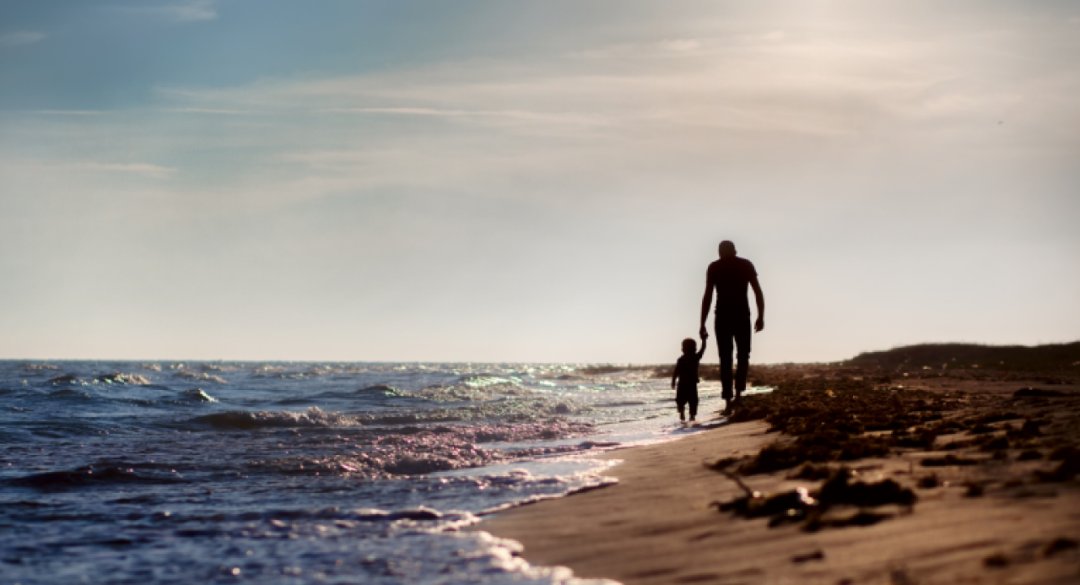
268 419
418 450
198 395
110 378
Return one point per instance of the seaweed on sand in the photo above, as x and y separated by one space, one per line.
841 490
817 448
830 419
948 460
848 405
1066 470
801 504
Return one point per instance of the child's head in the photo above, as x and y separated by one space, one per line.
689 345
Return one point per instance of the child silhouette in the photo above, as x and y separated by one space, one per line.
685 377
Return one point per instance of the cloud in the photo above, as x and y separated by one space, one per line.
670 112
774 36
140 169
193 11
663 49
681 45
21 37
59 168
661 114
523 116
180 12
209 111
771 94
70 112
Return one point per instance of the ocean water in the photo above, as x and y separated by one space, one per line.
289 473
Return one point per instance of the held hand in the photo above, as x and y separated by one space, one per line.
703 332
759 324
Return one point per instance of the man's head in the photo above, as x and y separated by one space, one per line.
727 249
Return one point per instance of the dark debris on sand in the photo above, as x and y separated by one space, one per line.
818 509
832 415
847 412
840 419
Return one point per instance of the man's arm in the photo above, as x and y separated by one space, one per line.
760 298
706 301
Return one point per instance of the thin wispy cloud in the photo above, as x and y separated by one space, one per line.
587 116
21 37
81 113
188 11
771 91
524 116
140 169
77 169
208 111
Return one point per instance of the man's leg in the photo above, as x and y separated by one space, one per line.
724 346
742 345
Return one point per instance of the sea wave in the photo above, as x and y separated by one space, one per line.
412 451
308 371
375 392
71 393
415 513
94 475
38 367
253 420
197 395
474 389
519 410
125 378
379 389
380 462
486 380
200 376
60 429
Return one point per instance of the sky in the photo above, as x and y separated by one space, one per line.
532 182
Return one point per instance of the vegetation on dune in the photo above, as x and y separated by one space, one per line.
1052 363
1017 358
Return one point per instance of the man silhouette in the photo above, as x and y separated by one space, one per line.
729 277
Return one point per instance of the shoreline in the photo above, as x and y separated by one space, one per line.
980 516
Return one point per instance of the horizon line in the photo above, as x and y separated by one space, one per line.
436 361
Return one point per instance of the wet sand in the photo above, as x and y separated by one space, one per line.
992 470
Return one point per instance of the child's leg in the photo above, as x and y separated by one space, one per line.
680 403
693 408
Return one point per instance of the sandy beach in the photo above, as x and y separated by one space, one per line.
978 474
